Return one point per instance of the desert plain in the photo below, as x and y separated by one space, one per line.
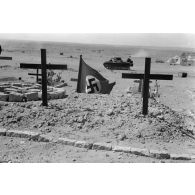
113 119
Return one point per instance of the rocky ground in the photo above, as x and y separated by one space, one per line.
114 118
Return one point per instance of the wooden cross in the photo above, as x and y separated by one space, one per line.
140 81
36 74
38 66
43 66
146 77
4 57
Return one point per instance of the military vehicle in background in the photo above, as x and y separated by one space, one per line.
116 63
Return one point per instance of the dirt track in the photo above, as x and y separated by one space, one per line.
18 150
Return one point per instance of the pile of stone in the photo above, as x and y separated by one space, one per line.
22 92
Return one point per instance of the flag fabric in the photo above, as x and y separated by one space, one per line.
91 81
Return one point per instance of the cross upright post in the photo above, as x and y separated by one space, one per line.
44 77
146 86
37 75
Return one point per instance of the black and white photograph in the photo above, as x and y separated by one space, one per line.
93 99
97 92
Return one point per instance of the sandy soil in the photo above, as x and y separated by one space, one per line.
17 150
114 118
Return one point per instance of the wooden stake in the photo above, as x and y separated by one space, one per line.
37 75
146 86
79 75
44 77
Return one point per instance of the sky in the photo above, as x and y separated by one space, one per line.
134 39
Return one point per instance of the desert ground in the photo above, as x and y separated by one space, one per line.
114 118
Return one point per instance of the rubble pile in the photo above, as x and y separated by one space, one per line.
95 117
23 92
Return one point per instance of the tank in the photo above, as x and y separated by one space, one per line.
117 63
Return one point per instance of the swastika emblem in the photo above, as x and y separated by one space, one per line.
92 85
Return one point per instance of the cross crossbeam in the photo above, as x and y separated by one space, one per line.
34 74
48 66
146 78
152 76
5 58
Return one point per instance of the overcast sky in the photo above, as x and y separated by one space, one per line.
139 39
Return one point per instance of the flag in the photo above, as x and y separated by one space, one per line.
91 81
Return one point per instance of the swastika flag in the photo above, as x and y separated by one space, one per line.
91 81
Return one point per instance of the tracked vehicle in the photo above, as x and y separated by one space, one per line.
117 63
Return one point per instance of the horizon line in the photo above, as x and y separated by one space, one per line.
105 44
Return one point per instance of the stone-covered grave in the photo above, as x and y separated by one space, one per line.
21 92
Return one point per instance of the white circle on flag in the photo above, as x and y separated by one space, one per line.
92 84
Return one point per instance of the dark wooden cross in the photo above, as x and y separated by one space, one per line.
38 66
36 74
4 57
146 78
43 66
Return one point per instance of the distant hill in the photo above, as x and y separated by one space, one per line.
124 50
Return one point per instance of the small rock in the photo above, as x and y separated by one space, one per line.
66 141
35 109
2 132
140 151
34 126
128 90
100 114
28 106
19 118
159 154
79 126
47 130
102 146
83 144
121 149
110 112
41 124
161 117
143 142
139 135
45 138
75 96
51 124
122 137
80 120
180 157
22 134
